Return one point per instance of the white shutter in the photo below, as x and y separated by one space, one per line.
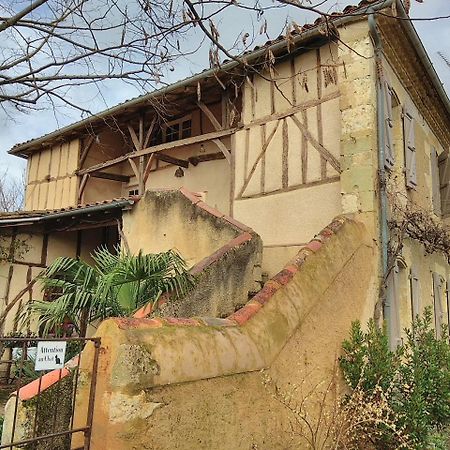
438 284
410 148
392 293
436 195
444 182
415 293
389 154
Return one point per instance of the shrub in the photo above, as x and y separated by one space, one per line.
415 379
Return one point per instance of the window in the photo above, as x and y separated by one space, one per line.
173 131
134 191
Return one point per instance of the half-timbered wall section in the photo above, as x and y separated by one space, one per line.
52 180
190 147
29 252
287 157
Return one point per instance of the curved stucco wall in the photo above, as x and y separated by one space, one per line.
196 383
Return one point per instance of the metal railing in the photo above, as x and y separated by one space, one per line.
48 397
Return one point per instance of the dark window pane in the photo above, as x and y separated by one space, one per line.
186 129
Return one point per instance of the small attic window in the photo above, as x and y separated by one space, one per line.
173 131
134 191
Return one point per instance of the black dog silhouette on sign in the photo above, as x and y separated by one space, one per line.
57 360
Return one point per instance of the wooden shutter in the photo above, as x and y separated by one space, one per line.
444 182
389 154
436 195
409 137
415 293
438 284
447 295
392 293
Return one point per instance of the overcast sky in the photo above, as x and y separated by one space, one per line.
434 34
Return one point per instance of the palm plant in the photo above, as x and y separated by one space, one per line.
115 286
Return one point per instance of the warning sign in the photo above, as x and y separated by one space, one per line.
50 355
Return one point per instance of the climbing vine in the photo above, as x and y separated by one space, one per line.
12 249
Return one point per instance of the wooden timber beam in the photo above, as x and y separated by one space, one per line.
85 151
223 149
159 148
148 168
210 116
83 182
195 160
171 160
111 176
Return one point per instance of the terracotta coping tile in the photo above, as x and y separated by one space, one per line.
30 390
246 312
213 211
314 245
237 224
190 195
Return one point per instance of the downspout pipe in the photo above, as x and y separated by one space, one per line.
382 178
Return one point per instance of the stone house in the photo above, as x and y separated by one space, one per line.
239 167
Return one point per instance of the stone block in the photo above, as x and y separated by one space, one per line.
350 203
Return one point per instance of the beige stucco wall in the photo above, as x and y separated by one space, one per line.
178 396
51 179
166 220
211 178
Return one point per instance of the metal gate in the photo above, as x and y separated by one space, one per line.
40 410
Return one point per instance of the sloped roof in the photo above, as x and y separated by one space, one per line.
31 217
307 31
280 45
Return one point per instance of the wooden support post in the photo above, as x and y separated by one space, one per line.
141 132
134 138
223 149
217 126
147 169
149 132
134 168
83 182
85 151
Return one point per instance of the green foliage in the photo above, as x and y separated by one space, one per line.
116 286
415 378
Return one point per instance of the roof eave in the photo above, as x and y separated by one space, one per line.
23 150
